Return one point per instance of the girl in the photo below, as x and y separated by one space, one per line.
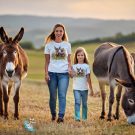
81 81
57 69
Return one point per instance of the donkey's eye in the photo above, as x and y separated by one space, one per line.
4 53
15 52
131 101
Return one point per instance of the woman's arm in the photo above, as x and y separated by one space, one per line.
47 60
69 64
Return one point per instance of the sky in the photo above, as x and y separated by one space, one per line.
100 9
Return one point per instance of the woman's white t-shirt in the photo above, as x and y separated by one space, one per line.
80 79
58 56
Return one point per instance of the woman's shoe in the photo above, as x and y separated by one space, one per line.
53 118
60 120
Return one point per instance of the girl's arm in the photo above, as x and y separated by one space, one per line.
90 84
47 60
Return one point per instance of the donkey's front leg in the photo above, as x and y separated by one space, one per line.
111 101
1 102
5 98
16 98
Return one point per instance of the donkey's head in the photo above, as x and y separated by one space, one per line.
128 100
9 53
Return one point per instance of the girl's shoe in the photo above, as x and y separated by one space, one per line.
77 120
28 126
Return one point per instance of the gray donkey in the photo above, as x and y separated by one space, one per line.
114 66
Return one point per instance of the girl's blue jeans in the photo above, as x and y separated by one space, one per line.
58 83
80 96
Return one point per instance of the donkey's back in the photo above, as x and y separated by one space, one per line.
102 60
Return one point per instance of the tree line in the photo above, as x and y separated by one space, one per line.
118 38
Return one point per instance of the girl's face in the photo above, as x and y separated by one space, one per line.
59 32
80 57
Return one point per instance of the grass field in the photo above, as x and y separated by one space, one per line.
34 99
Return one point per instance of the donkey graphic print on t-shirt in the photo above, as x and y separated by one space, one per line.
59 53
80 72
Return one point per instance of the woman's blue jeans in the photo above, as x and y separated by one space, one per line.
80 96
58 82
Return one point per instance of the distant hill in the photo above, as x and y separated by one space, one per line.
37 28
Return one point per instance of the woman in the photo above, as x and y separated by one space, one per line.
57 69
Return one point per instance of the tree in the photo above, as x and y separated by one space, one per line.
27 45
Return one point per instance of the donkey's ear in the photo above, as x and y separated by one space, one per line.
124 83
19 36
3 35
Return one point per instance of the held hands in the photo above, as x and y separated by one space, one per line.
72 73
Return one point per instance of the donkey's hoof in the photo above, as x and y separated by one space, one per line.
109 119
5 117
115 117
16 118
102 117
1 114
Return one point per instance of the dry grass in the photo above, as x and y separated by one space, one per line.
34 99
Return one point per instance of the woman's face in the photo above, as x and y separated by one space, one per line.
59 32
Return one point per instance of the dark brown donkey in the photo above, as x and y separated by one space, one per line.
114 66
13 68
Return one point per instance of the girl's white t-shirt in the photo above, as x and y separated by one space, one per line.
58 56
80 79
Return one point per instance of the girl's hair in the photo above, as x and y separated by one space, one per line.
78 50
51 36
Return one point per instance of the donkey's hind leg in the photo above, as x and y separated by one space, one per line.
9 88
111 101
103 95
1 103
118 96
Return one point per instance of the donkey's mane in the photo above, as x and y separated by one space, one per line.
126 54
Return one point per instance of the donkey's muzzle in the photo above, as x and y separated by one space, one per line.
10 72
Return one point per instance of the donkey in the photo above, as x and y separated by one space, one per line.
13 68
114 66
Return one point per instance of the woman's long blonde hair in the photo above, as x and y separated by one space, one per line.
51 36
78 50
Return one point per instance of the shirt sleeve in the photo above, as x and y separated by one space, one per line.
46 50
69 48
88 70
